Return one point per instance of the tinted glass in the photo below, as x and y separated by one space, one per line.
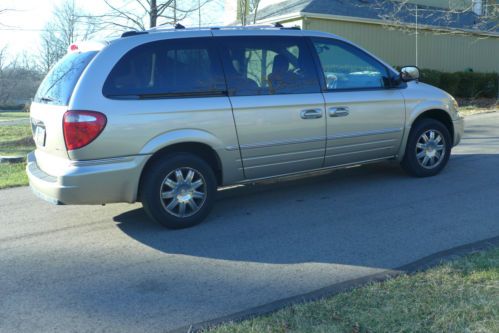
268 65
58 85
347 67
167 68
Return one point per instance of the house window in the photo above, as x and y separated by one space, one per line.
478 7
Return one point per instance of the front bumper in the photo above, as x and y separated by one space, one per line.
87 182
458 130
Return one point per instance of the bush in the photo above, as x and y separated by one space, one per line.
464 84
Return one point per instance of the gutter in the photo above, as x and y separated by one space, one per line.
307 15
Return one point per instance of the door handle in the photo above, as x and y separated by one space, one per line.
341 111
311 114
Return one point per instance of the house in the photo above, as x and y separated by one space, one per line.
445 35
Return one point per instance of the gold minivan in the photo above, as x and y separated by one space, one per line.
165 117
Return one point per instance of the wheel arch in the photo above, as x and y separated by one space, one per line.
433 113
199 149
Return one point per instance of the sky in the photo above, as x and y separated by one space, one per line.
20 28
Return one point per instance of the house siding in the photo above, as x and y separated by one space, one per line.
443 51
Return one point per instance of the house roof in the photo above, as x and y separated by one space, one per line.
385 10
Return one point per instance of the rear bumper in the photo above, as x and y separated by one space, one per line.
87 182
458 130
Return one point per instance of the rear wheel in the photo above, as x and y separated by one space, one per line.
178 190
428 148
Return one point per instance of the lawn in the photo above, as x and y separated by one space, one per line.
471 110
12 175
15 140
458 296
8 115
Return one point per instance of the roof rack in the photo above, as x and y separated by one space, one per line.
132 33
277 26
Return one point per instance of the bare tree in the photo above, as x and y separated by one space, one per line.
144 14
395 15
3 11
68 25
247 10
19 78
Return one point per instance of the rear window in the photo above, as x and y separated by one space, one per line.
168 68
58 85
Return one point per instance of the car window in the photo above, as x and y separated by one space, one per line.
347 67
58 85
268 65
168 68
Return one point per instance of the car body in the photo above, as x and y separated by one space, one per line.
246 125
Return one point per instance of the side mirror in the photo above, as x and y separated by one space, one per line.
409 73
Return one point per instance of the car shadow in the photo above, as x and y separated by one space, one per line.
359 216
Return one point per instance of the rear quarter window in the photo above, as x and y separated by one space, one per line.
58 85
168 68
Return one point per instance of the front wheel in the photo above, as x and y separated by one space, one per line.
178 191
428 148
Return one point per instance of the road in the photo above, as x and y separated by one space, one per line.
95 269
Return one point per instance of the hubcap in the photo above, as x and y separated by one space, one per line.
183 192
430 149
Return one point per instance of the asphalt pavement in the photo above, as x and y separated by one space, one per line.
110 269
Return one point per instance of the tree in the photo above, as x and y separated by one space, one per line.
144 14
68 25
3 11
19 79
247 9
395 13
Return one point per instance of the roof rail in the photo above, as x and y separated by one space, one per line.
178 27
132 33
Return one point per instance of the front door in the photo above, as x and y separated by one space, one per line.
277 104
365 118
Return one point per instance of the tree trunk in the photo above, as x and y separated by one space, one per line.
153 14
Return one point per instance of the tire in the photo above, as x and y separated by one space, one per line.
426 158
171 199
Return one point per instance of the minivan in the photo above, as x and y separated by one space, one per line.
166 116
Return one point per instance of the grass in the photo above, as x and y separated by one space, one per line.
471 110
15 140
12 175
7 115
459 296
10 133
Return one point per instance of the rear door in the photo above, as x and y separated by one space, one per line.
365 116
52 99
278 108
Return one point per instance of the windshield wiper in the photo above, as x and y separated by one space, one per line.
47 99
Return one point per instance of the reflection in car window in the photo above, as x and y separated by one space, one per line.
167 68
346 67
58 85
268 65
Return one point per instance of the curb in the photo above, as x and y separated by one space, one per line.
411 268
12 159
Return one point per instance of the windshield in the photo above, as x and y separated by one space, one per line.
58 85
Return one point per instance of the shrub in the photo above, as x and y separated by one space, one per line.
464 84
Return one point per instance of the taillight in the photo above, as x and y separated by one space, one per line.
82 127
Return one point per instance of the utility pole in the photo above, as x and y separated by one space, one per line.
174 12
417 36
199 13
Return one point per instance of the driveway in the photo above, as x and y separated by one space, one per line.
93 268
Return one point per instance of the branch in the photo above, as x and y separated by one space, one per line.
124 14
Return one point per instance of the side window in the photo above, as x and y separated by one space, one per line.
168 68
347 67
268 65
